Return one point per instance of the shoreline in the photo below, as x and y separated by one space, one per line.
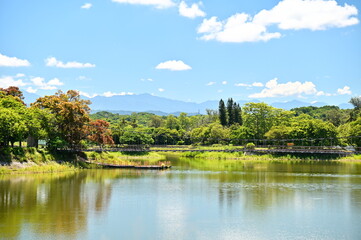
43 161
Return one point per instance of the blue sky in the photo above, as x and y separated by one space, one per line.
309 50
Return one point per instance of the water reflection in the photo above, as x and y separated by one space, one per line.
52 204
195 200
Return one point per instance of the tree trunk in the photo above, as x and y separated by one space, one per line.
32 142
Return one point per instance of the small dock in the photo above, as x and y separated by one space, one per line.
159 166
145 167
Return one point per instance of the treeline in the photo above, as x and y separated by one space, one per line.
64 120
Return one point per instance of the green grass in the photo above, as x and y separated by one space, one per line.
150 156
268 157
51 167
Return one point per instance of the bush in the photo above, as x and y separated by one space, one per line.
250 146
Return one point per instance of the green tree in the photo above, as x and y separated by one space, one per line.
356 112
135 136
172 122
259 117
237 114
222 113
13 126
230 112
355 132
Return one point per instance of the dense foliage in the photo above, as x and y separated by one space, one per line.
64 120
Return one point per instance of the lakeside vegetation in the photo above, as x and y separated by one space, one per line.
63 120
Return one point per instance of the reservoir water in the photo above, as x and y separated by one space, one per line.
196 199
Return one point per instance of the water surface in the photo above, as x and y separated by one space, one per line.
193 200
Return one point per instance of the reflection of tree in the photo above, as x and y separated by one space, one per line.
263 184
52 204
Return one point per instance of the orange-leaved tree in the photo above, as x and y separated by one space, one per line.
71 115
100 132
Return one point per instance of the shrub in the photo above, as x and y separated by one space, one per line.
250 146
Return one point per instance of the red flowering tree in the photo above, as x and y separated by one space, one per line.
100 132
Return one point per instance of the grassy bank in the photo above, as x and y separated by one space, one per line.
269 157
124 158
32 160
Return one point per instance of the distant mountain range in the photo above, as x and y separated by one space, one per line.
163 106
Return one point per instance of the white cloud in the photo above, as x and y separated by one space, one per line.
146 79
191 12
111 94
241 85
6 61
308 14
53 62
55 82
274 89
255 84
87 5
322 93
220 90
19 75
40 83
224 82
87 94
7 81
31 90
237 28
286 15
173 65
344 91
156 3
161 89
210 83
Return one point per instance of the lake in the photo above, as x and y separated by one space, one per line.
196 199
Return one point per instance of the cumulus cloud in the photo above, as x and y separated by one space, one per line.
322 93
173 65
7 81
6 61
308 14
344 91
86 6
191 12
286 15
53 62
40 83
156 3
224 82
31 90
210 83
275 89
161 89
237 28
255 84
55 82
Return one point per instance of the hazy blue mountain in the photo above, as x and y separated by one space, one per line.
291 104
164 106
295 104
345 106
149 103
